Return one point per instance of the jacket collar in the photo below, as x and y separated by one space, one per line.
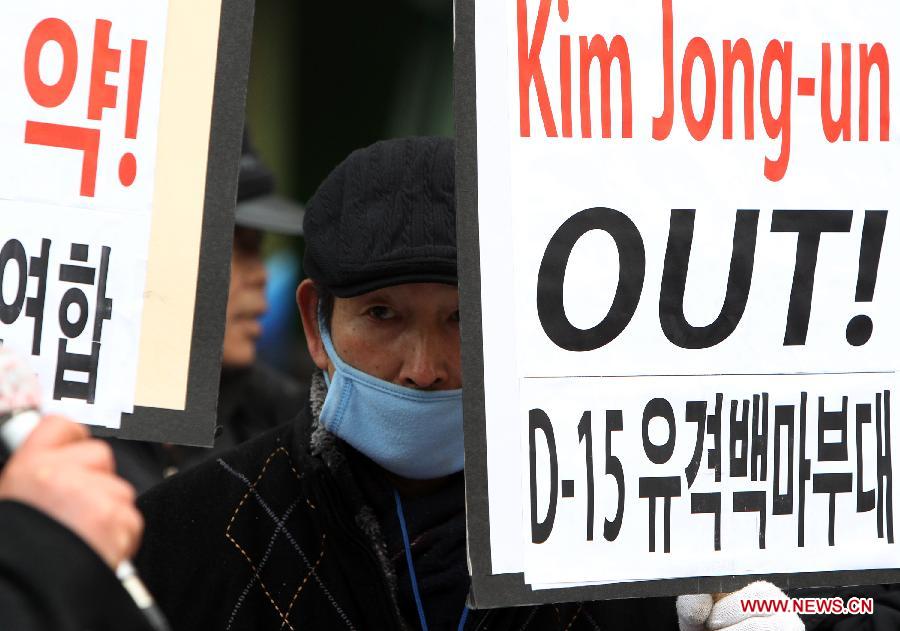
332 451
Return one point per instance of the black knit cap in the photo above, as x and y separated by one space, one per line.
385 216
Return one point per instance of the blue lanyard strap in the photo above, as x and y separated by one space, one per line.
462 620
412 570
409 562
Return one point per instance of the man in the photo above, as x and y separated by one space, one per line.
65 522
353 516
253 397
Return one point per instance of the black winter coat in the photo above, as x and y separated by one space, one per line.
276 535
251 402
288 532
50 580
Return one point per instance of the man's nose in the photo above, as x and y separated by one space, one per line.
255 271
425 367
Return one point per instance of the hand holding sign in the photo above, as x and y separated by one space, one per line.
729 612
58 470
61 472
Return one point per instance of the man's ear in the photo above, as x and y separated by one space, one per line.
308 304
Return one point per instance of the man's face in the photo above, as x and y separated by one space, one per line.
406 334
246 299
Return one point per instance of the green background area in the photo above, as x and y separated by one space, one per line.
327 78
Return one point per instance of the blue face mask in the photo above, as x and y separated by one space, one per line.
415 434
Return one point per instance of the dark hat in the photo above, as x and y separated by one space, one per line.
385 216
258 206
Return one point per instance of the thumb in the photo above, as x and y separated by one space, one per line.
693 610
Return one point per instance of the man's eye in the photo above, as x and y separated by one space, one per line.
454 317
381 313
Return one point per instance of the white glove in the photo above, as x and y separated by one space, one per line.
698 612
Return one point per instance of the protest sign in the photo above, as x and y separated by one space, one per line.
121 136
677 262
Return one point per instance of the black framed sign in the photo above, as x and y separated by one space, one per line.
677 255
122 136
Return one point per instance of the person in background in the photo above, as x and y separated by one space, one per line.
352 516
253 397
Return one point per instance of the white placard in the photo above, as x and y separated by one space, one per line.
78 128
579 205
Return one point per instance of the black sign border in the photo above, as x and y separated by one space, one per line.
503 590
196 424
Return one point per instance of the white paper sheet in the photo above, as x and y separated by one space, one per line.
567 556
86 76
529 186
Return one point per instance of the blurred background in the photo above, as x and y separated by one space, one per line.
327 78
